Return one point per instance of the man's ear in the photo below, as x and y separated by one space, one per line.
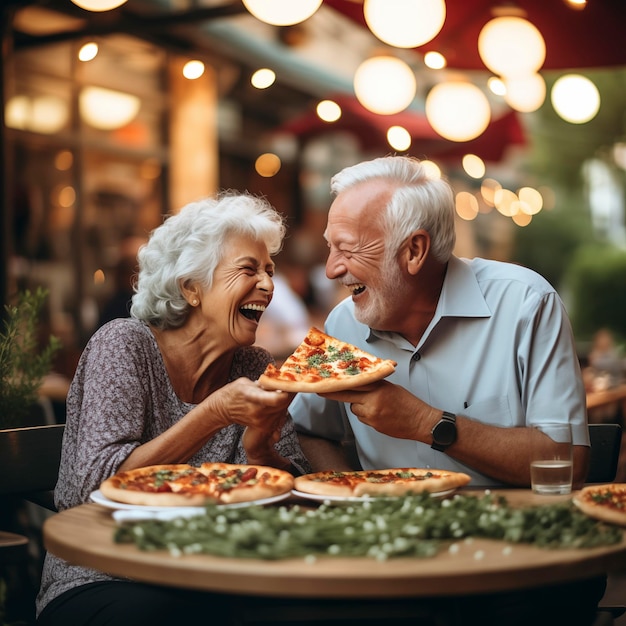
418 247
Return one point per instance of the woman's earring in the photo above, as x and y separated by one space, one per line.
195 302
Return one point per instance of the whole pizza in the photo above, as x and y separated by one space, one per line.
603 502
322 364
387 482
187 485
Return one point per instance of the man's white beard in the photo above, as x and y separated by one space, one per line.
381 299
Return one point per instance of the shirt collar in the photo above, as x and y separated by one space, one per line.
461 296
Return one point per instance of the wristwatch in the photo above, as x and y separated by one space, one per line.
444 432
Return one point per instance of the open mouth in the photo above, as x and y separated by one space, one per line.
356 288
252 311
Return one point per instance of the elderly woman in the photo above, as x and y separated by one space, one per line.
174 384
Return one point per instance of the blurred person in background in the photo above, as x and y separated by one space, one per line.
174 384
605 359
604 370
118 304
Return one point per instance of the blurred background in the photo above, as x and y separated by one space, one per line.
115 116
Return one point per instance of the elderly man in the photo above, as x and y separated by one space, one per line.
484 348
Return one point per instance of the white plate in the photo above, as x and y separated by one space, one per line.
142 516
366 498
102 500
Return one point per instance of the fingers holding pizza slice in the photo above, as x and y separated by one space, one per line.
323 364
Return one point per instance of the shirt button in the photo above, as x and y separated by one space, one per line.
416 357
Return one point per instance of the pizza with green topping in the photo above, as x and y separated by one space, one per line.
603 502
187 485
323 364
387 482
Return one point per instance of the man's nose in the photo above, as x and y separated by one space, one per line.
335 266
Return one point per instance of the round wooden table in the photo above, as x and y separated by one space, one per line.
84 536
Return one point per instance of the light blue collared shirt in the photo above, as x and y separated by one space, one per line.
499 350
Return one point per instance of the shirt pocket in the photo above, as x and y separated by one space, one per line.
495 411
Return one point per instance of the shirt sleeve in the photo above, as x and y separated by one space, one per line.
552 386
316 416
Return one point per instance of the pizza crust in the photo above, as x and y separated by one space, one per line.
583 500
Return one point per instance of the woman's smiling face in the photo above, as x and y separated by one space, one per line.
242 289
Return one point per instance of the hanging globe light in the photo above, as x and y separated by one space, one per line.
328 111
282 12
525 93
575 98
511 46
405 23
457 110
399 138
107 109
98 6
384 85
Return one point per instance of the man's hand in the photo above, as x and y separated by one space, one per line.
390 409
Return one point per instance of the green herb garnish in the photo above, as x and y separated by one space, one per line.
381 528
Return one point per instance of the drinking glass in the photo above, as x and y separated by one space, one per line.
551 458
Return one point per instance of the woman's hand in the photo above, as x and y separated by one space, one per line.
262 412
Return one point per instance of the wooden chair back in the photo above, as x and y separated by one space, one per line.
606 440
29 462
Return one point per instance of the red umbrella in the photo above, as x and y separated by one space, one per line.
589 37
371 131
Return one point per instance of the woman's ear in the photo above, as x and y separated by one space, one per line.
190 292
417 250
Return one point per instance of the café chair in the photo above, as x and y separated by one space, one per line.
606 441
29 463
29 468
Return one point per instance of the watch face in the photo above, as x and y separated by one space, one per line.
445 433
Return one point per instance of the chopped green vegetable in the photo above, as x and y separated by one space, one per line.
417 525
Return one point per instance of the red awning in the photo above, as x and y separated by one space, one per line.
371 131
591 37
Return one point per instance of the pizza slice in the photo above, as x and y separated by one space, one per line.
245 483
383 482
322 364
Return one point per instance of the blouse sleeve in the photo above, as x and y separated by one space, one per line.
108 407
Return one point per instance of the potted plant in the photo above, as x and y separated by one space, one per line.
23 361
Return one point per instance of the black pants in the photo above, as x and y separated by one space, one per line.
118 603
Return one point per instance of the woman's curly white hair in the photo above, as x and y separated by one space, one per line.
188 246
